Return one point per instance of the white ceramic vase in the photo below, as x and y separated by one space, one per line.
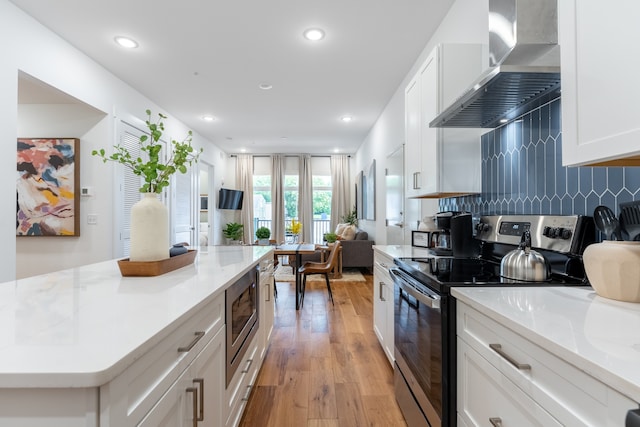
149 229
613 269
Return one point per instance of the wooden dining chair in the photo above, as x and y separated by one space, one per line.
324 268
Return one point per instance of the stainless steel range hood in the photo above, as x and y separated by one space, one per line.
525 66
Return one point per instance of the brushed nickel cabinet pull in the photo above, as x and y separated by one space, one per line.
198 337
496 422
381 297
200 382
268 286
246 396
498 349
249 362
194 390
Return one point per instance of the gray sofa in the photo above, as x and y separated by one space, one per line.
355 253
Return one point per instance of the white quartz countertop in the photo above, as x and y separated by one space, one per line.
597 335
83 326
397 251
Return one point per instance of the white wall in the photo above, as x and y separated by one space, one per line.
466 22
33 49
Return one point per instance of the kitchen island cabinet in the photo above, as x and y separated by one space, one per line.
559 354
87 347
599 91
441 162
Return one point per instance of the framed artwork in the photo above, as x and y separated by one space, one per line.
47 186
369 190
359 192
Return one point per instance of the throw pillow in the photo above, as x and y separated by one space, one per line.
349 233
340 229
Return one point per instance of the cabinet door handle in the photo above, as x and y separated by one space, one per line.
246 396
381 297
496 422
200 382
194 390
249 362
267 285
498 349
198 337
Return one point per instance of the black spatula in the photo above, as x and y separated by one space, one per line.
630 219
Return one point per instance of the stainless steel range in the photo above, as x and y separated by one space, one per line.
425 329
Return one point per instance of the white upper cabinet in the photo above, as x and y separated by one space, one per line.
441 162
600 68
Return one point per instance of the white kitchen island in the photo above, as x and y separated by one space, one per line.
532 353
88 347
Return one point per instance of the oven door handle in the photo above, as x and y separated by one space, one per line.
423 296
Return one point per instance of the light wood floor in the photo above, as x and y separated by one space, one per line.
325 367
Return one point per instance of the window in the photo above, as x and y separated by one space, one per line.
262 201
321 206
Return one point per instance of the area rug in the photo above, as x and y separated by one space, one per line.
284 274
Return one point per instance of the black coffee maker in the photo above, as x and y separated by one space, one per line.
463 244
455 237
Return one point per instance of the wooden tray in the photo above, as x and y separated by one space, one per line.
155 268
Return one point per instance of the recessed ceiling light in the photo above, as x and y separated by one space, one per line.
346 119
336 150
313 34
265 86
243 150
208 118
126 42
504 120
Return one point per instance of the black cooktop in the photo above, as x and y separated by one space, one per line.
441 273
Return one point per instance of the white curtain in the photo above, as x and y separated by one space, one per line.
305 199
244 182
277 197
340 197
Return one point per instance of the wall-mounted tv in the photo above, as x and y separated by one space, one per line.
230 199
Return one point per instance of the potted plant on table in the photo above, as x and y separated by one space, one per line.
149 216
233 232
263 234
330 238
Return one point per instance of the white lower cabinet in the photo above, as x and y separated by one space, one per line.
239 389
383 321
501 374
195 398
486 397
267 304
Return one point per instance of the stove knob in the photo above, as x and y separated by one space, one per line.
482 227
546 231
565 233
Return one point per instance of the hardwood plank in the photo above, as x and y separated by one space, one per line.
260 406
323 423
382 411
350 407
292 398
322 397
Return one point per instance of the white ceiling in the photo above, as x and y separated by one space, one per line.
208 57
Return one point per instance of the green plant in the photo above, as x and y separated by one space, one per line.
351 217
330 237
156 174
233 231
263 233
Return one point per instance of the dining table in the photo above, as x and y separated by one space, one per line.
296 249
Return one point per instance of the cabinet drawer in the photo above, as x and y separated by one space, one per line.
134 392
382 261
487 397
240 386
569 394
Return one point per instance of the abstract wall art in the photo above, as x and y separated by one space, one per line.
47 185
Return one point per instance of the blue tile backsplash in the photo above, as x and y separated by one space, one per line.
522 173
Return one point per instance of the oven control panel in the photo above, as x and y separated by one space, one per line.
560 233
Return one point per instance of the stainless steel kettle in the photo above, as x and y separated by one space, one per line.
524 263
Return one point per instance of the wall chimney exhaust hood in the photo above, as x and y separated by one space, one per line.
525 67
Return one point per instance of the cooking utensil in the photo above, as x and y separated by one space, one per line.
630 219
607 222
524 263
